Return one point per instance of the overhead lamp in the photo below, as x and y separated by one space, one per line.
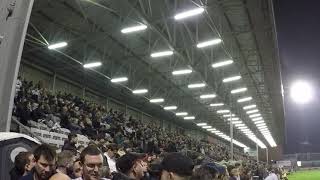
57 45
239 90
240 125
216 104
263 129
206 127
224 111
245 99
236 122
212 129
233 119
250 106
215 131
189 118
207 96
252 111
222 63
261 125
131 29
229 115
201 124
140 91
219 133
119 79
258 122
92 64
157 100
209 43
257 119
230 79
198 85
170 107
161 54
181 114
254 115
189 13
182 71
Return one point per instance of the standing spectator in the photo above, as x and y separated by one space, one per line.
176 166
64 165
272 175
45 159
112 149
70 143
23 163
92 162
130 166
233 172
77 169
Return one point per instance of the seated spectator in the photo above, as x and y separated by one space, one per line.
45 159
176 166
70 143
23 163
91 160
130 166
64 165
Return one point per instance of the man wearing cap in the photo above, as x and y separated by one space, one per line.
131 166
176 166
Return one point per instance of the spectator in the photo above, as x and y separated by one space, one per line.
272 175
70 143
91 160
176 166
76 169
45 159
23 163
64 165
233 172
130 166
110 155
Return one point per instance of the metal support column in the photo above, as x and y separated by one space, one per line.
54 83
267 154
14 19
257 147
83 93
231 136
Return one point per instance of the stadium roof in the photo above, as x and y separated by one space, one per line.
201 56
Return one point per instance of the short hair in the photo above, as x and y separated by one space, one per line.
46 151
71 136
89 150
112 146
64 158
21 160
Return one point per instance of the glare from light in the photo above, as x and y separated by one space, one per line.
209 43
301 92
249 107
229 115
233 119
257 119
258 122
57 45
198 85
245 99
131 29
189 118
252 111
207 96
92 64
239 90
216 104
223 111
261 125
230 79
161 54
157 100
119 79
189 13
222 63
140 91
182 71
240 125
236 122
254 115
181 114
211 129
206 127
201 124
170 107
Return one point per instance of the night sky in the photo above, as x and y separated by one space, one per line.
298 26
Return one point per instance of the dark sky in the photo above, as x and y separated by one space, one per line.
298 26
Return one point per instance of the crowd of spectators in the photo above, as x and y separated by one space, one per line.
129 148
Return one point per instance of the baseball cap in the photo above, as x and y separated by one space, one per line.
125 162
177 163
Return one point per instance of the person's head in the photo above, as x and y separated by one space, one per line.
204 173
233 171
24 162
77 169
45 159
92 162
132 164
64 160
176 166
112 149
73 138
